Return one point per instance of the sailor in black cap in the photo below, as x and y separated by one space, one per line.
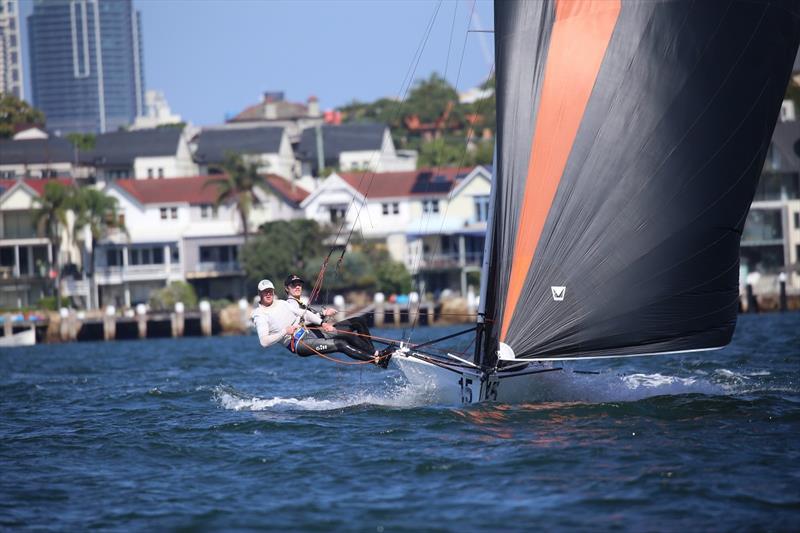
354 331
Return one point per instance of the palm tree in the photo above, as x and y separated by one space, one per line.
51 218
238 184
96 211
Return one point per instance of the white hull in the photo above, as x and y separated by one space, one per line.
23 338
446 383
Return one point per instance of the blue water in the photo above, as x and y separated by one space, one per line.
218 434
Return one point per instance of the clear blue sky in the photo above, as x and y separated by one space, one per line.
215 57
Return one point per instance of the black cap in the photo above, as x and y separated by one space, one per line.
291 278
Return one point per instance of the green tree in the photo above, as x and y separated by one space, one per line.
442 152
82 141
177 291
282 247
430 99
238 185
393 278
51 219
16 113
96 211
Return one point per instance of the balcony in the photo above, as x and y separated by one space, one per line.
118 274
447 261
211 269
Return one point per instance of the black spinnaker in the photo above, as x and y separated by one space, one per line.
631 136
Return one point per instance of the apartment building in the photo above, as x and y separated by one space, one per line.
87 72
11 70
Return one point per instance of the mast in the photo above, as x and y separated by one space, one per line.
487 248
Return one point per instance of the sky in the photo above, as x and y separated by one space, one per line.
213 58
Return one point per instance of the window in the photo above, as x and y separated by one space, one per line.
163 213
207 211
149 173
430 206
7 174
149 255
797 220
337 213
114 257
173 212
219 254
175 256
482 208
160 172
395 208
385 208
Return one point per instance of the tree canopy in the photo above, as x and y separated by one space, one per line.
432 121
16 114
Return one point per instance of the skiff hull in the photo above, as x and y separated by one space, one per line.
446 383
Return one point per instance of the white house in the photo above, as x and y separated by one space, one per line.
175 234
351 147
142 154
267 147
434 221
27 258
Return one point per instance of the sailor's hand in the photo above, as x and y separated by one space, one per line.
291 329
328 327
329 311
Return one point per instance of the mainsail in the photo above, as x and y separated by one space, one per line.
630 139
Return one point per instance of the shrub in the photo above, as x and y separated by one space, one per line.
177 291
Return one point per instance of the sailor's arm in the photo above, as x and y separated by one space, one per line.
265 338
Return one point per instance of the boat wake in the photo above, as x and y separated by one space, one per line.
605 387
397 395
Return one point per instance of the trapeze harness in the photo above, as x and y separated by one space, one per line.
351 338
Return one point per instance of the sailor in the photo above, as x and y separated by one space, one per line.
354 330
276 321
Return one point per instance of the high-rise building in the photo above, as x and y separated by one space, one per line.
10 53
87 71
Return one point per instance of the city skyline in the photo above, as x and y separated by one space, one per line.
209 61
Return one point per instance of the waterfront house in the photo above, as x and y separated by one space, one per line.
142 154
267 147
352 147
431 220
27 257
33 153
174 233
771 237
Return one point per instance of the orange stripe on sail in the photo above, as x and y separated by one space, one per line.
581 33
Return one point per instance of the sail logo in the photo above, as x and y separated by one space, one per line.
558 293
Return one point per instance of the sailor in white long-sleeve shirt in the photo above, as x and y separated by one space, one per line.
276 321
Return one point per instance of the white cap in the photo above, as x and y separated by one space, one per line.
265 284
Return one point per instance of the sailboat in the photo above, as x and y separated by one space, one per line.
630 140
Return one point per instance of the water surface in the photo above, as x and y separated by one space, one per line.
219 434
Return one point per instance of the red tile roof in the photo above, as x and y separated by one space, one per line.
292 193
36 184
195 191
422 182
171 190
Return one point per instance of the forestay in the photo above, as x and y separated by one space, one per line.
631 136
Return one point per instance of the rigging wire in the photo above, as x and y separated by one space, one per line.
468 140
404 89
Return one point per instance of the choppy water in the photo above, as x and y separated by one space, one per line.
218 434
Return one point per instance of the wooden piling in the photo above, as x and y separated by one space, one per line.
8 329
205 318
178 320
752 302
379 310
397 315
110 323
141 320
782 298
63 324
339 304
